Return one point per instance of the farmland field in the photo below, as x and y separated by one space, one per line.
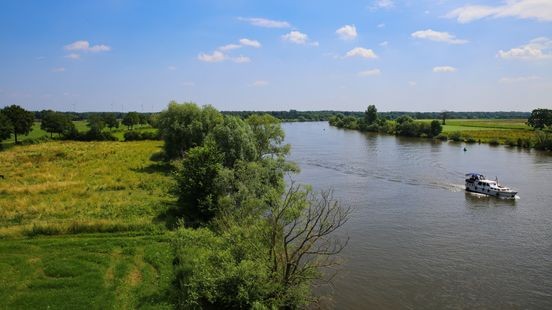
84 224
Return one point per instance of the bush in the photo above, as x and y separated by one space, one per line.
229 271
494 142
144 135
455 136
442 137
470 140
91 135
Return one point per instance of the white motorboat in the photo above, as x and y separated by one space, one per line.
477 183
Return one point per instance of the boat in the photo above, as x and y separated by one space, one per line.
477 183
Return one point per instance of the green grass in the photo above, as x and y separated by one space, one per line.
86 271
84 225
488 130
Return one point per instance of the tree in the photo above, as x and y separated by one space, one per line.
6 127
540 118
186 125
235 140
110 120
435 128
55 122
21 120
96 123
130 119
302 239
371 115
269 135
444 116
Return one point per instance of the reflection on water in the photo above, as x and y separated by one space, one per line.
417 239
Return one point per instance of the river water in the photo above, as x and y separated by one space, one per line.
417 240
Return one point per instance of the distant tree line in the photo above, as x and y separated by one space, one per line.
373 121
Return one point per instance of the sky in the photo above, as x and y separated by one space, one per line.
425 55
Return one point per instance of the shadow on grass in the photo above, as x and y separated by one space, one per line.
158 167
170 216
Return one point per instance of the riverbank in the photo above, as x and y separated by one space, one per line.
511 132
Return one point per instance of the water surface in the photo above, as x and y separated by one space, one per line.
418 241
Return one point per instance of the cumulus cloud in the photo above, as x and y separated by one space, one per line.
526 9
259 83
347 32
216 56
536 49
437 36
381 25
296 37
361 52
85 46
384 43
229 47
241 59
72 56
263 22
517 79
58 69
249 42
444 69
382 4
371 72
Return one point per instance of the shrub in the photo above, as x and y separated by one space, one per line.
455 136
442 137
470 140
494 142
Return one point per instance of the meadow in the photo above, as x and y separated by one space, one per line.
84 224
489 130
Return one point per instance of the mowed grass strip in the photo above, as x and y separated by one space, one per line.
106 271
66 187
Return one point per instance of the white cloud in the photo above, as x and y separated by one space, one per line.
251 43
371 72
72 56
382 4
347 32
384 43
86 47
171 68
361 52
381 25
527 9
216 56
516 79
438 36
267 23
536 49
58 69
444 69
259 83
229 47
296 37
241 59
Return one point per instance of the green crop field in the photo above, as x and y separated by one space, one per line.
486 130
84 224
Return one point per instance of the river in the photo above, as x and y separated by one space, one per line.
417 240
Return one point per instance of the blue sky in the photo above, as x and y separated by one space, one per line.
277 55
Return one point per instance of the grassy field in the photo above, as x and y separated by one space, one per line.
37 133
487 130
84 224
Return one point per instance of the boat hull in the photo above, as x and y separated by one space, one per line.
493 193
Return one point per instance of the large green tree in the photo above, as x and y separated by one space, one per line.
111 121
269 135
186 125
96 123
130 119
6 127
540 118
371 115
235 140
55 122
20 119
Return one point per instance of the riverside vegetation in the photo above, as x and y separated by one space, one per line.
534 132
204 219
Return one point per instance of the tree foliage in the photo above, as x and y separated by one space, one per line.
371 115
111 121
56 122
6 127
20 119
131 119
540 118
